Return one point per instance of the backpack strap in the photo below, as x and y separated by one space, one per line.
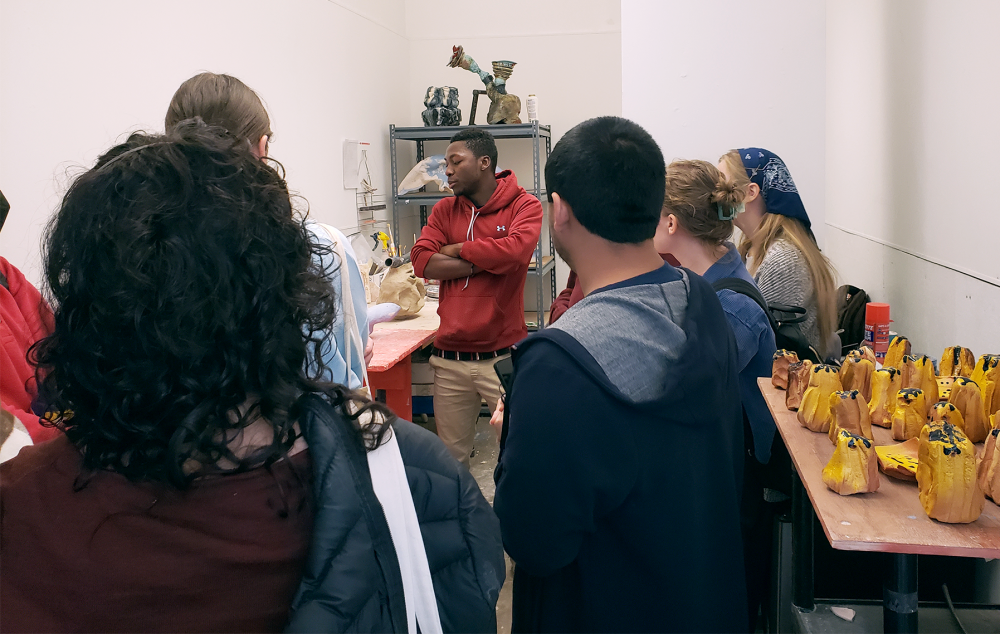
744 287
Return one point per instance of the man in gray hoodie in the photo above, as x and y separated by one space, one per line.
621 457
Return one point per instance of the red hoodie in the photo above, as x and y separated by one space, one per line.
484 312
24 319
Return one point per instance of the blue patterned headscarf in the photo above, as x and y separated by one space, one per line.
776 185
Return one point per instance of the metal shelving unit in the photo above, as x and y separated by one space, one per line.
533 131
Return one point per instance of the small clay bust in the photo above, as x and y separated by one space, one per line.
957 361
946 474
779 367
798 381
849 411
814 412
853 468
886 382
910 414
968 399
987 375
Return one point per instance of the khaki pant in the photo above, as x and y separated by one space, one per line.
459 388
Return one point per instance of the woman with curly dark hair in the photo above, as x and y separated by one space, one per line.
203 458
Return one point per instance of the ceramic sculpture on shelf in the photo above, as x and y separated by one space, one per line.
968 399
504 108
779 367
429 170
441 106
946 473
853 468
988 471
918 373
814 412
957 361
849 411
401 287
798 381
910 414
899 347
885 385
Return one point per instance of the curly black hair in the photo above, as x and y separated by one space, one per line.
187 306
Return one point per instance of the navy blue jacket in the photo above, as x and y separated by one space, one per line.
619 478
351 581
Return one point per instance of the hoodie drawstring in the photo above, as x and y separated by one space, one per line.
470 235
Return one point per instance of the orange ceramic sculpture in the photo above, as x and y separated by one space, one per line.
798 380
899 347
968 399
946 474
853 467
957 361
910 414
886 383
987 375
918 372
779 367
849 411
856 374
988 472
814 412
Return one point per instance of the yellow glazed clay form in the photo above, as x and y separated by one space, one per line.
918 372
779 367
988 472
899 347
987 375
856 374
849 411
853 468
957 361
910 414
885 384
814 412
946 474
968 399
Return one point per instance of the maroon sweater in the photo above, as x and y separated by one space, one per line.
484 312
226 555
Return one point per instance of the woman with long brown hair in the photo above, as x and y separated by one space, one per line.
778 244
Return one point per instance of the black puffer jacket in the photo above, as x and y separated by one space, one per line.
351 582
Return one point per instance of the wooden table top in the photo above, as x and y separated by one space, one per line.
888 520
398 339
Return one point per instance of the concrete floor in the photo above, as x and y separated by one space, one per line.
481 466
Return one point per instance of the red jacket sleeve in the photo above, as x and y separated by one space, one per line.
433 236
562 303
507 254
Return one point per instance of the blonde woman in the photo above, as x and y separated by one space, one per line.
779 247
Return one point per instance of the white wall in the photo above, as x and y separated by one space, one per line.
912 134
705 77
78 76
568 53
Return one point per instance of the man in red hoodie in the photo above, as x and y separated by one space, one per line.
478 244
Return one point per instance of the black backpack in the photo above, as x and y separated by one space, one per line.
784 319
851 305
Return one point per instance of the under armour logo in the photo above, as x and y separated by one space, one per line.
501 227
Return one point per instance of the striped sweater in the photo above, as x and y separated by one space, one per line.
783 278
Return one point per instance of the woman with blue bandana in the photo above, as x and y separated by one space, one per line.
779 247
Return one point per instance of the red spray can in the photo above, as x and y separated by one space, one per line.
877 329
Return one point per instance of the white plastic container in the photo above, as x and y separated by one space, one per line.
532 104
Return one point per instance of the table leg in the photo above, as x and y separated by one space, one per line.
396 384
802 546
899 594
